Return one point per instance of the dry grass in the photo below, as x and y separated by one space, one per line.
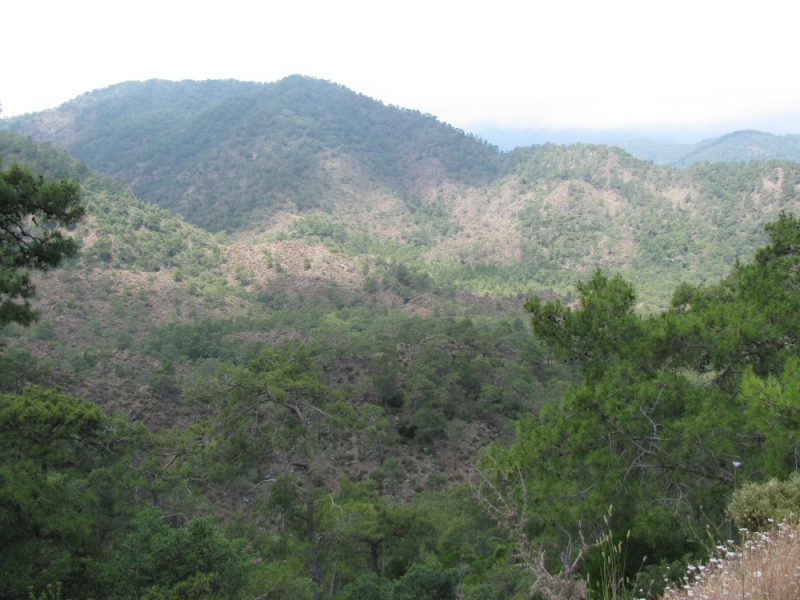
765 566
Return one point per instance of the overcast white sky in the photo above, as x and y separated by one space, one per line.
546 63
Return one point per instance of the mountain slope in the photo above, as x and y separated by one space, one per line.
310 161
405 305
594 206
219 151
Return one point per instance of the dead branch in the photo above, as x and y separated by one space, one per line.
296 410
258 484
511 515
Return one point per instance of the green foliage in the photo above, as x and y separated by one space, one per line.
43 157
656 238
773 409
49 593
200 586
49 444
17 367
376 429
386 384
428 425
157 560
282 145
164 384
306 444
135 235
194 341
129 233
284 579
32 215
434 220
427 582
756 506
317 226
368 587
604 328
663 425
243 447
70 479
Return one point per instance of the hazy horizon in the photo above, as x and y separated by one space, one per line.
575 65
507 138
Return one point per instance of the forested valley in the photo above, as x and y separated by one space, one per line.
310 346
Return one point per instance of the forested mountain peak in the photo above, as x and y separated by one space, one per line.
218 151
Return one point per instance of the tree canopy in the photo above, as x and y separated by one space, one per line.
673 410
32 215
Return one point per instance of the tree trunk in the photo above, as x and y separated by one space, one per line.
311 534
374 555
333 576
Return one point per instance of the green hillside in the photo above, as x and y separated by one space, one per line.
220 151
153 322
308 160
594 206
148 289
341 398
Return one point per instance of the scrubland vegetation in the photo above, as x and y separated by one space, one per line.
385 361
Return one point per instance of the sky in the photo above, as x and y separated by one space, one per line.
619 65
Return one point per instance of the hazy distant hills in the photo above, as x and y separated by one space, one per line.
741 145
737 146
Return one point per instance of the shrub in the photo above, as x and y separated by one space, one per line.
368 587
159 559
427 582
755 505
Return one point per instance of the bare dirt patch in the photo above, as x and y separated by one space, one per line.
490 227
291 257
557 200
774 182
681 197
423 306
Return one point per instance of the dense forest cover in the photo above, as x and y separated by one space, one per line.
175 343
259 146
673 411
424 389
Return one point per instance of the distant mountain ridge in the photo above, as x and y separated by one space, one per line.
738 146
